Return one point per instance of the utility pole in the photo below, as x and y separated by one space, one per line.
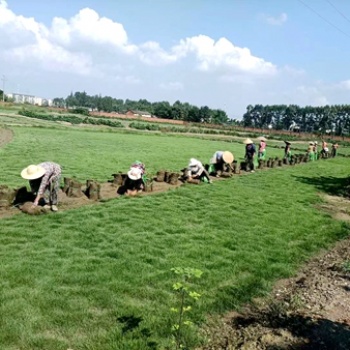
3 87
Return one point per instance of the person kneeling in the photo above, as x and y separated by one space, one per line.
133 184
196 170
44 181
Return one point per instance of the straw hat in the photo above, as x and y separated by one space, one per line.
193 162
228 157
134 174
248 141
311 143
287 142
32 172
262 138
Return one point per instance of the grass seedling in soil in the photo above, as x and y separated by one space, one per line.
346 266
185 296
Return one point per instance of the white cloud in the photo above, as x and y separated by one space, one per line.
152 54
212 55
68 42
94 53
345 84
275 21
88 26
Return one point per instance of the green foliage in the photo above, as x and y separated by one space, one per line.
324 120
142 126
163 109
70 119
185 294
80 110
346 266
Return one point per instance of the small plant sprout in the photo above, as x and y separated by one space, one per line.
346 266
185 295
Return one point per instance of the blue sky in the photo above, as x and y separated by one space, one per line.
225 54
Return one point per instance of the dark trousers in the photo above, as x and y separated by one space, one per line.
250 162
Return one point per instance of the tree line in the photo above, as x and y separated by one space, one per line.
177 110
324 120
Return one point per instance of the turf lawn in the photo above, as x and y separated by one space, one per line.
67 278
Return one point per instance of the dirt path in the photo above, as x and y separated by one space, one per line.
108 191
310 311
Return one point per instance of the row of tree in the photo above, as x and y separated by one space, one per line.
178 110
325 120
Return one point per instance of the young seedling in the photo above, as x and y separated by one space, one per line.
184 294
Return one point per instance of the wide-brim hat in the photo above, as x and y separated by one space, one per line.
287 142
134 174
193 162
311 143
247 141
228 157
262 138
33 172
316 143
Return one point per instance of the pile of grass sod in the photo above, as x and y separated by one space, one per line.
67 279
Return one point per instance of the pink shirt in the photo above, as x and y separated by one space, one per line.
262 146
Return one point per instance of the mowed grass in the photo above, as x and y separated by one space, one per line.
91 154
66 278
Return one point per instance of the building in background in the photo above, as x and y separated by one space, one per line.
30 99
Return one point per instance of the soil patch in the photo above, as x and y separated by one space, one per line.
338 207
6 136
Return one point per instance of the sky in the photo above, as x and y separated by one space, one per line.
224 54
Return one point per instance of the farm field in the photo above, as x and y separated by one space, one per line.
69 278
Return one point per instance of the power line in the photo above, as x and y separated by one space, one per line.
325 19
342 14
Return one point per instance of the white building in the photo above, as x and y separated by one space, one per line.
31 99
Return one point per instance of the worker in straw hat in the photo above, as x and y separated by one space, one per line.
287 150
44 181
250 151
220 161
134 182
262 148
315 150
196 170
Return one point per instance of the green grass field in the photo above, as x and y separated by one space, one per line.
67 278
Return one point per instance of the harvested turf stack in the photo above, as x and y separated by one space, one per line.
173 178
7 196
119 179
260 164
166 176
160 176
72 188
28 208
236 167
93 190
